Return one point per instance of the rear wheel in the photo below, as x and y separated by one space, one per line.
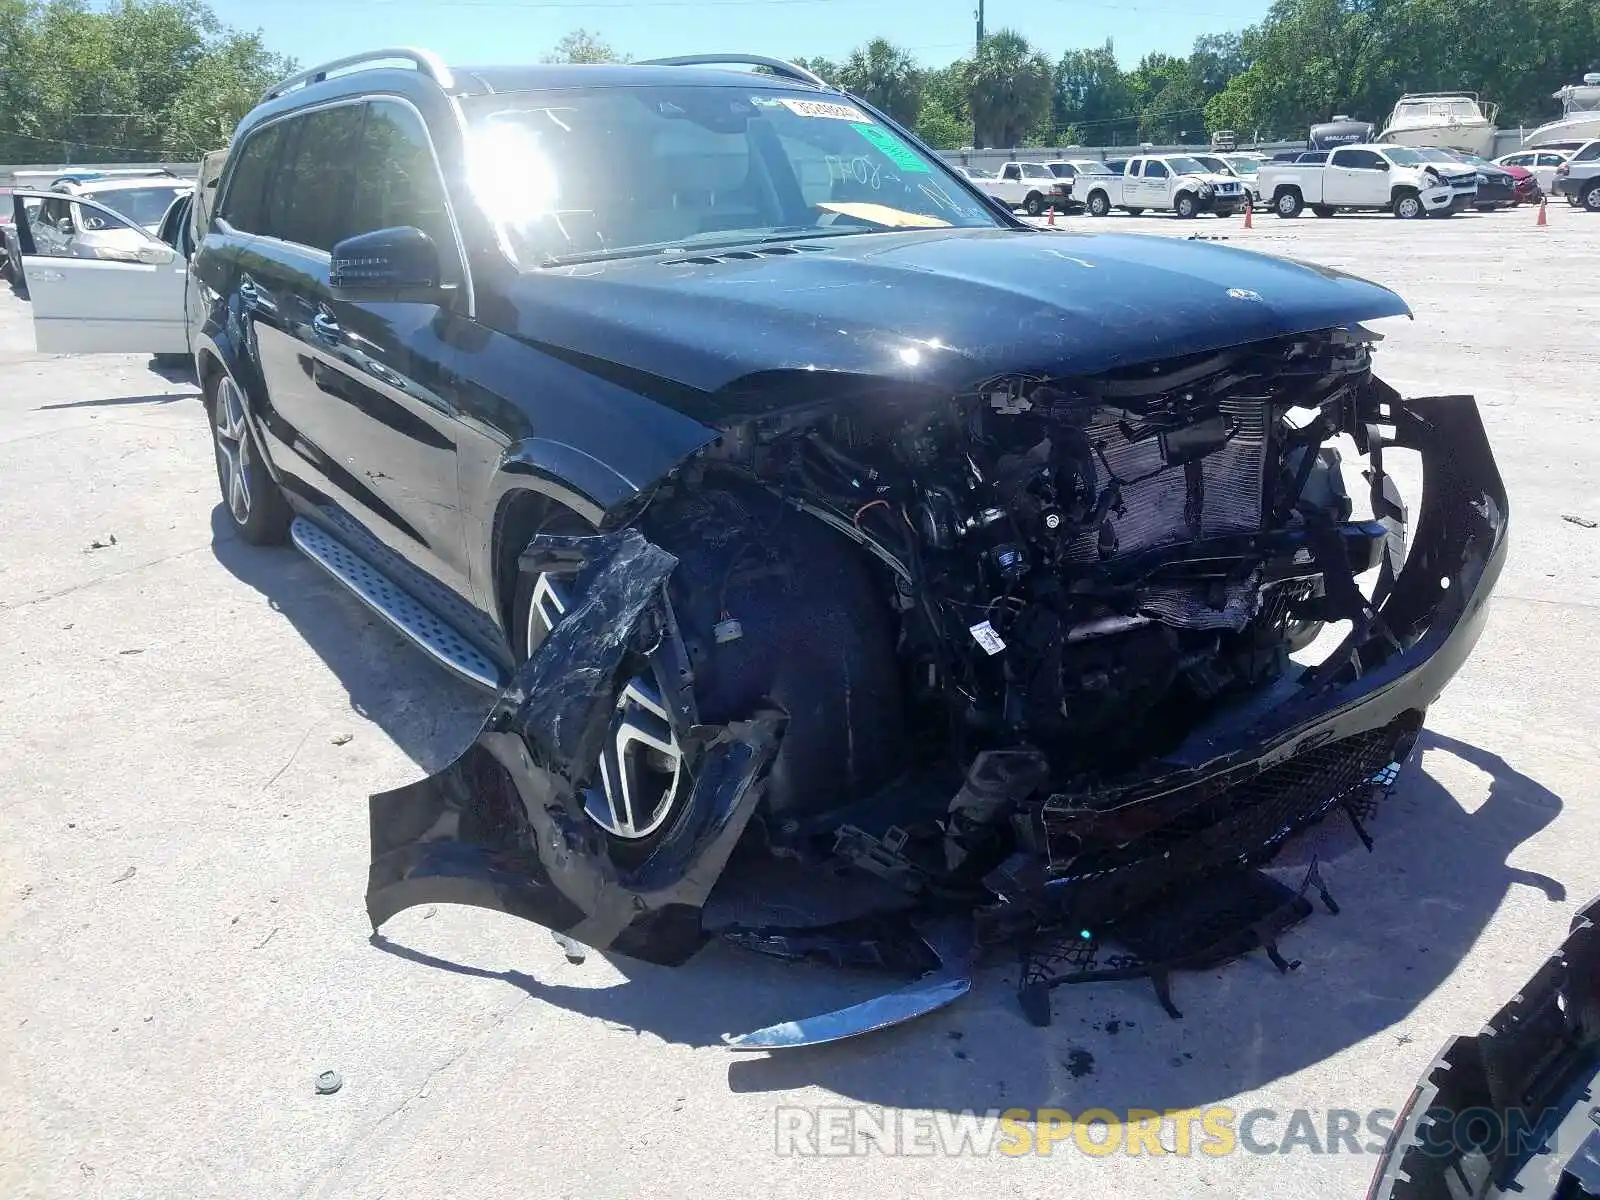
1591 198
1288 203
253 501
1099 204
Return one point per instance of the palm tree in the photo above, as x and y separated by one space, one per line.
886 77
1009 86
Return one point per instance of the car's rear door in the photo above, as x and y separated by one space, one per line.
104 306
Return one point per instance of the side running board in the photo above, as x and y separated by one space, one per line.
396 606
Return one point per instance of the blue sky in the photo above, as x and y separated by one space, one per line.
936 31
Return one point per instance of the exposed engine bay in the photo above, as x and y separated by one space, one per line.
1087 565
1019 655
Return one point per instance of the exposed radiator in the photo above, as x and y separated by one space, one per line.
1158 508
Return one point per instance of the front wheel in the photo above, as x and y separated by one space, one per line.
1033 205
1184 205
1591 198
1408 206
1288 204
1099 204
253 501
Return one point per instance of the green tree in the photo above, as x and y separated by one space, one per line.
581 46
945 120
1093 99
1009 86
145 79
885 76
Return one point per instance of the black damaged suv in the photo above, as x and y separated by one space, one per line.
788 490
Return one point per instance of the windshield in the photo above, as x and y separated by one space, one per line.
142 206
1245 166
1184 165
1218 165
1403 156
594 173
977 173
1433 154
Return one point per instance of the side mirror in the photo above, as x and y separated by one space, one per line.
386 264
1383 164
153 254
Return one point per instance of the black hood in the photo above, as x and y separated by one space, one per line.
944 308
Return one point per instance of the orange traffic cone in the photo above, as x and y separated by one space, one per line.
1248 223
1542 222
1052 221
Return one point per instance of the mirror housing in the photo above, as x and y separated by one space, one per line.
155 254
386 264
1383 164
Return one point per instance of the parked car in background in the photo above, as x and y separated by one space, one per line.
1523 186
1219 164
1541 163
1166 182
1030 186
1578 179
66 227
1077 171
1392 178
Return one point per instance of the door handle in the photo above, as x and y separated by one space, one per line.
325 326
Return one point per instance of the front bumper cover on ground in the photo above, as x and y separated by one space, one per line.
502 827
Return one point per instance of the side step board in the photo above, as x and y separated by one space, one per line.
396 606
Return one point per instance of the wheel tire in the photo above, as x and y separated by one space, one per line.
255 505
1184 205
1407 206
1591 198
1323 210
1033 205
1288 203
1099 204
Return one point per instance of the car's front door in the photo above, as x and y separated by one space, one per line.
1351 178
355 388
1153 185
101 305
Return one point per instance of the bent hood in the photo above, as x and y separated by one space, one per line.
945 308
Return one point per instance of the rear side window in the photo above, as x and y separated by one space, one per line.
1588 154
397 181
247 191
311 205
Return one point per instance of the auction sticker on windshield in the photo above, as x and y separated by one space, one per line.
821 108
892 148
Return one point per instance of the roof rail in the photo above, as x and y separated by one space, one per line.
777 66
429 63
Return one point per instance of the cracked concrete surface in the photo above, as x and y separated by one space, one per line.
174 706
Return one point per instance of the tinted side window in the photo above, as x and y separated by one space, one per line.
312 202
1136 166
242 207
398 183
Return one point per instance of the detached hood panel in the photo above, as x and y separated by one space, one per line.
945 307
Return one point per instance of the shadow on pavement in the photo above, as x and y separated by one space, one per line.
122 401
424 709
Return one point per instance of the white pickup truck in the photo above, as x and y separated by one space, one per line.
1171 182
1373 176
1030 186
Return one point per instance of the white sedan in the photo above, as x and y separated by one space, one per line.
1541 164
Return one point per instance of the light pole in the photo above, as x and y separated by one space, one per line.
980 25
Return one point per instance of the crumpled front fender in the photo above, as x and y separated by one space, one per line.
502 827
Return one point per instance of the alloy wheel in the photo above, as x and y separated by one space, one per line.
641 763
233 449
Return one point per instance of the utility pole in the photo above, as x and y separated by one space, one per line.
980 25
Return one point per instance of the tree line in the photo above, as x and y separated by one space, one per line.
1307 61
165 79
144 80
